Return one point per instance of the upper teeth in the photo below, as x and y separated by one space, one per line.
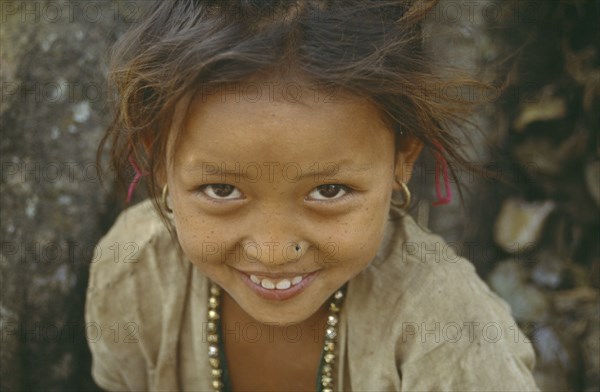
270 284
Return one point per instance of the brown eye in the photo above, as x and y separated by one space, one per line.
221 191
328 192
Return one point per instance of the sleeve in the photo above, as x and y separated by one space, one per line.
466 340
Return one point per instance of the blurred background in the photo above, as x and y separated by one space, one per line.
531 227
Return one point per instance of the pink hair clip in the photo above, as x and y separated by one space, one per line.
441 165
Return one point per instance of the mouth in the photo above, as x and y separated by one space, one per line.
277 287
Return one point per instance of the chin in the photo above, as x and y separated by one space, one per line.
279 318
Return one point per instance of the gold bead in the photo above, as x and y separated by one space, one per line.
338 295
332 320
217 384
211 327
327 390
215 290
329 346
327 369
214 362
213 302
212 338
213 351
329 358
213 315
326 381
334 308
216 372
330 333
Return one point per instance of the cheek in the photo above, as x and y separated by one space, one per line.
191 240
354 252
199 242
371 219
359 239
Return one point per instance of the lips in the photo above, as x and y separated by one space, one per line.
277 287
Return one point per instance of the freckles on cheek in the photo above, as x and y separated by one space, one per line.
190 227
199 251
202 245
189 239
369 232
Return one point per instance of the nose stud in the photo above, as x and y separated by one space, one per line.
297 247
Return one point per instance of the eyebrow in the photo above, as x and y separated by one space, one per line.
317 170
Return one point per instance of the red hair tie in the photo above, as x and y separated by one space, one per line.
136 178
441 164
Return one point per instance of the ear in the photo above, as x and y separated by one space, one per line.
406 156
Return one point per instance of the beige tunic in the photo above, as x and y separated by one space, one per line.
418 318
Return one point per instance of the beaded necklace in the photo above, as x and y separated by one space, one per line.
216 354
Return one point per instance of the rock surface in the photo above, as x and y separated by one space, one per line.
54 208
519 225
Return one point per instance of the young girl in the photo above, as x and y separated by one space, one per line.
275 254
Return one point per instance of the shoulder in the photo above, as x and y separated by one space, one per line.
417 266
429 271
439 317
421 267
135 270
132 246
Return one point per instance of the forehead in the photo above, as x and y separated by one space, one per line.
266 119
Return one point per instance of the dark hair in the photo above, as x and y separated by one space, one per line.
370 48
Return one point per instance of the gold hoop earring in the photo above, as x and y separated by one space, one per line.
165 193
405 196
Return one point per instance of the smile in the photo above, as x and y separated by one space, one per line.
275 287
276 284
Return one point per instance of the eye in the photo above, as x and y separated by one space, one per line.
329 192
221 191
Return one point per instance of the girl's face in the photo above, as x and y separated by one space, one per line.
281 202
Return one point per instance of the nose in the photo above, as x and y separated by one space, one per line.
273 240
